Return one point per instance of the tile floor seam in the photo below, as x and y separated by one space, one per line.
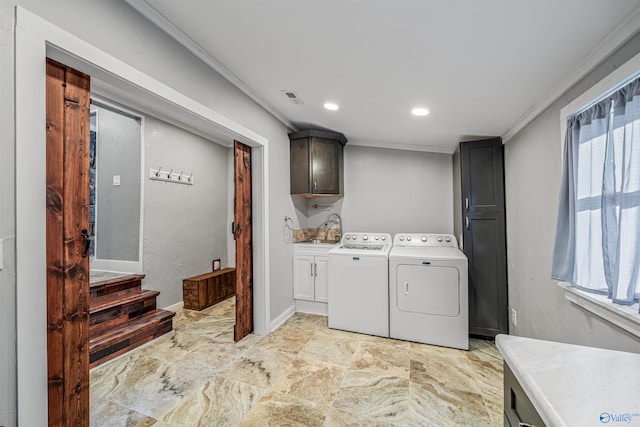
484 397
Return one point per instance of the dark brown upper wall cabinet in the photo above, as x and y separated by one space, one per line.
317 163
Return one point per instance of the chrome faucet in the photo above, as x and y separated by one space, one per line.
326 223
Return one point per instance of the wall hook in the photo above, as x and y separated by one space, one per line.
158 171
169 174
180 176
288 222
190 177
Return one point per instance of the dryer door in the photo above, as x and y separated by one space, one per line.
428 289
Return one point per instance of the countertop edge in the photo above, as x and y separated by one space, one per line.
327 245
538 399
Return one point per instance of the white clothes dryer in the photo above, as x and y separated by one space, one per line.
359 284
428 290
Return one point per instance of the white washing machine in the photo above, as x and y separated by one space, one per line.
359 284
428 291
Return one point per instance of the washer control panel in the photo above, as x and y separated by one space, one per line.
425 239
367 238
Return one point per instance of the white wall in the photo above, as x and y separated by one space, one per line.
184 225
533 165
390 191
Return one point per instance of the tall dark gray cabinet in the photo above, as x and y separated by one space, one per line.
480 224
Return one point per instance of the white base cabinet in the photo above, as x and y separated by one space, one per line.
310 272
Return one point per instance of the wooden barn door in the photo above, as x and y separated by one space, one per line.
67 222
242 233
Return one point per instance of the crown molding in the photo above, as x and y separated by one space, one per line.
155 17
623 32
408 147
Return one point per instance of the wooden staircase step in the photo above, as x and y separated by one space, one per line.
119 340
104 287
115 309
122 298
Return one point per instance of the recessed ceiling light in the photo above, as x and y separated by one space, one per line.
331 106
419 111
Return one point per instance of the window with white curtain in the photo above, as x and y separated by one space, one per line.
597 246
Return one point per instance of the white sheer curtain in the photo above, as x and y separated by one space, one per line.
621 201
597 244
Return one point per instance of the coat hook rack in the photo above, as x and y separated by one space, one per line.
176 178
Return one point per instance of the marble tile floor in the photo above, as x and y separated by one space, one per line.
302 374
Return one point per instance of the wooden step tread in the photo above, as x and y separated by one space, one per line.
108 282
122 298
148 321
114 285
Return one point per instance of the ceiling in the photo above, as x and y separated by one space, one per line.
482 67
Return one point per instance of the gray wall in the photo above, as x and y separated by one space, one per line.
7 224
185 226
533 165
118 152
390 191
124 34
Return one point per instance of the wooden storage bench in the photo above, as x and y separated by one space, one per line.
205 290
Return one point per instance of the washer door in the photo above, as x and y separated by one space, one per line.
428 289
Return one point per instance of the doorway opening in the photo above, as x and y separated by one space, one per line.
118 314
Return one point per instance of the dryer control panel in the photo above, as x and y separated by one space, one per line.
425 239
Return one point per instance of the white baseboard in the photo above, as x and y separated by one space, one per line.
275 323
175 307
312 307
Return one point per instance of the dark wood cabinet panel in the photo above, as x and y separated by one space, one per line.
518 409
484 235
483 181
484 246
316 163
300 166
326 166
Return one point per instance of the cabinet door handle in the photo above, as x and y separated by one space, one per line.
315 185
521 424
311 265
406 288
466 203
315 269
466 221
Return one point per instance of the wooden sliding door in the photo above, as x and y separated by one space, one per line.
67 221
242 233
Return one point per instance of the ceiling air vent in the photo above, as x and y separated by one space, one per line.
293 97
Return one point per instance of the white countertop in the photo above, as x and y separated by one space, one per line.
572 385
310 244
